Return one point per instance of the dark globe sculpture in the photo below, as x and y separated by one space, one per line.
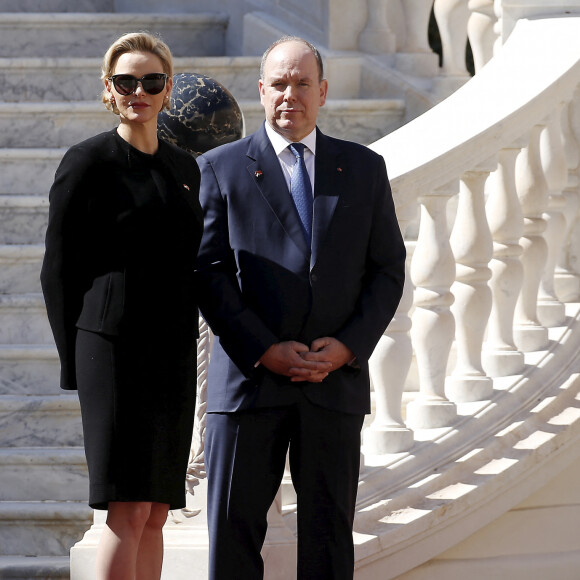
203 114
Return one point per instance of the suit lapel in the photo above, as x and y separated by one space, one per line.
266 172
328 185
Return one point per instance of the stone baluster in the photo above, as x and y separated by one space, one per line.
529 334
452 17
551 311
417 15
473 249
506 223
498 26
480 30
377 36
389 366
432 273
416 56
566 281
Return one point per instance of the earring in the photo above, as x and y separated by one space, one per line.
112 101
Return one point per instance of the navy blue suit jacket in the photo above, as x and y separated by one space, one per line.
259 283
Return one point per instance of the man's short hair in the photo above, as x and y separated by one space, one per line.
285 39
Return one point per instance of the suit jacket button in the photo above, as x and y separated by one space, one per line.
313 278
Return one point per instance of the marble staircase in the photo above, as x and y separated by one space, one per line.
50 54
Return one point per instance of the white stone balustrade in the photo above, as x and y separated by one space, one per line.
493 272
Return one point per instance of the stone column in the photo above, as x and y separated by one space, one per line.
473 249
551 311
377 36
389 366
566 281
480 30
529 334
433 272
452 17
416 58
506 222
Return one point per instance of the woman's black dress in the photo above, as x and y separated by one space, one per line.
118 279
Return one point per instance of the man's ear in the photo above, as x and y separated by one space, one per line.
323 91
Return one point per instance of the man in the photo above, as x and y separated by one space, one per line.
298 303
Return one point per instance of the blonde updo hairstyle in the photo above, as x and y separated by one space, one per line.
134 42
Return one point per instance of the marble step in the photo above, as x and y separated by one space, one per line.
37 125
50 528
56 6
50 473
34 567
23 219
85 34
23 320
28 171
20 268
78 79
37 421
29 369
60 125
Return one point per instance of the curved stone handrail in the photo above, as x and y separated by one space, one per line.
495 108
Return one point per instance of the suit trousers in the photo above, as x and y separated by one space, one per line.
246 456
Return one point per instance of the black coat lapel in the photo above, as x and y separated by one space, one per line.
266 172
328 185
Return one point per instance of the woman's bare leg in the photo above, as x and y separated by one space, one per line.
119 543
150 554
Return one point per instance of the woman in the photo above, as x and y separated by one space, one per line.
124 229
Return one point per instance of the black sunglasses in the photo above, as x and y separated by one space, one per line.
152 83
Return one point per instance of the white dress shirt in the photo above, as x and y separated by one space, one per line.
287 158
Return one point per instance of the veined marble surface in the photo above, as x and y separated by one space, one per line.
23 219
47 473
56 34
29 370
28 171
20 268
40 421
23 320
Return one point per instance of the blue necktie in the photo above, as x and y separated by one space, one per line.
301 190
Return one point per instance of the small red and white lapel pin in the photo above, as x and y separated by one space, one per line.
339 169
186 186
258 174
